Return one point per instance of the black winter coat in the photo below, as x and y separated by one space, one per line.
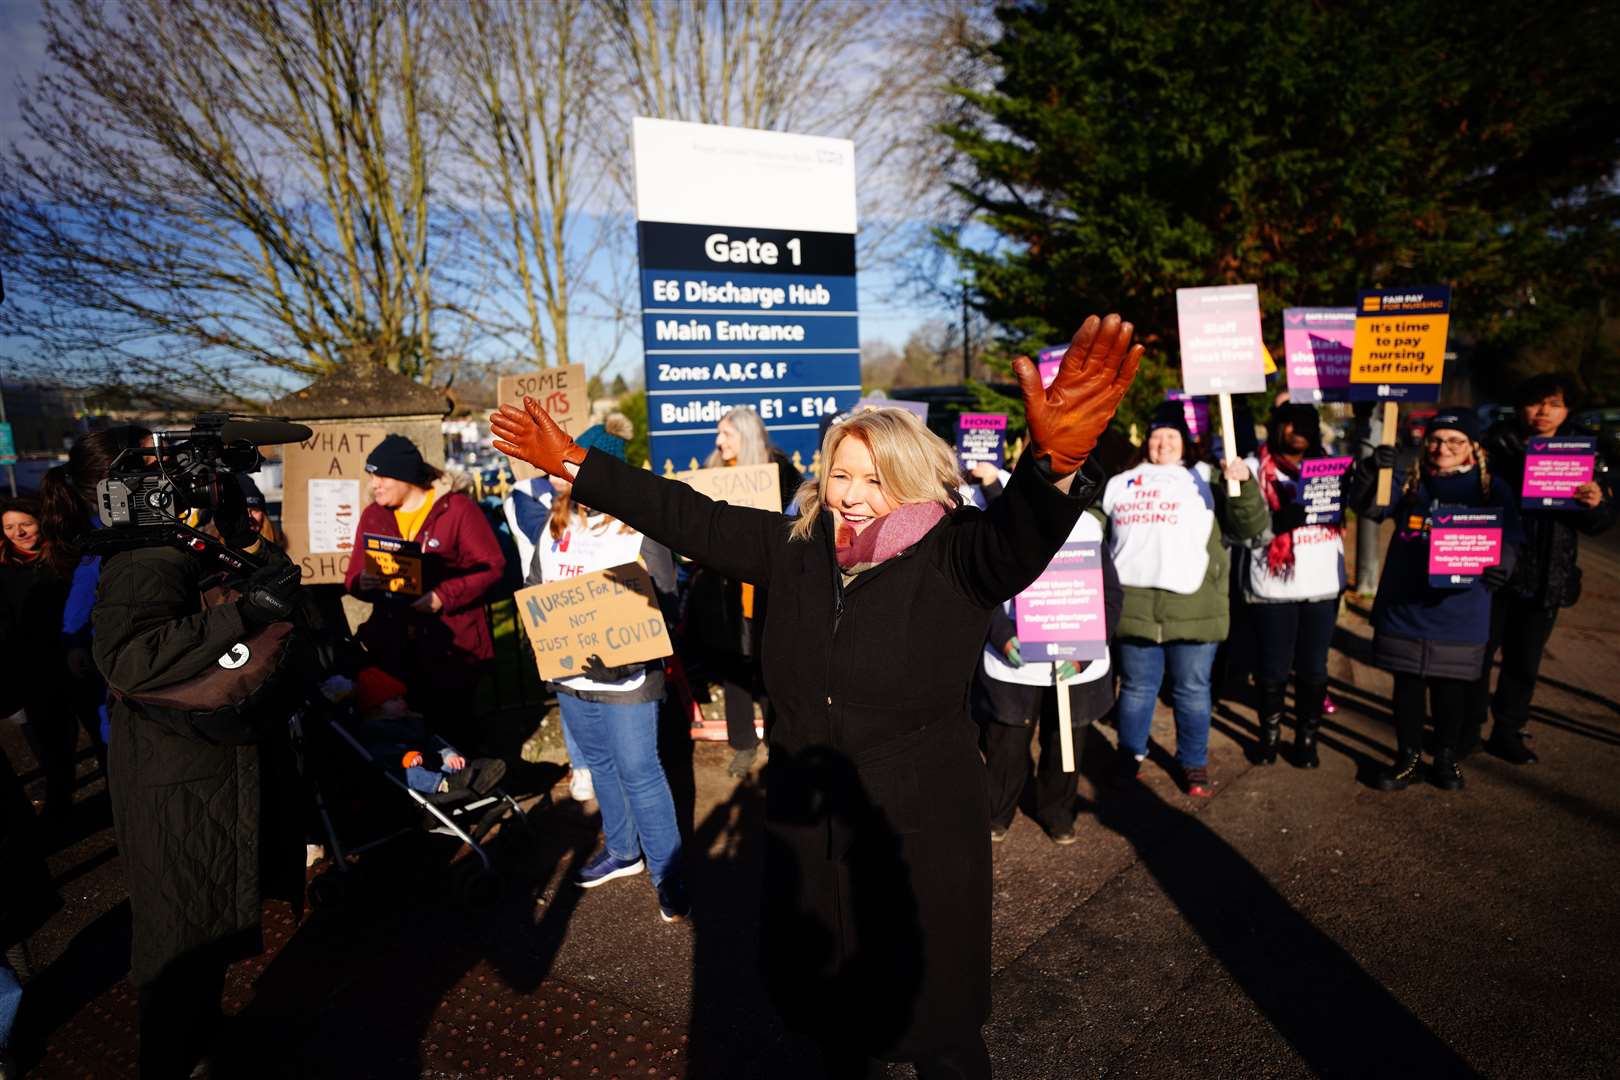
200 824
1547 574
877 890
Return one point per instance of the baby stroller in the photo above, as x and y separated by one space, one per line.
468 814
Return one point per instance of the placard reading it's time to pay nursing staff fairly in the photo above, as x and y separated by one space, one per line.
611 614
1317 345
981 438
747 247
1060 616
1463 541
1554 467
396 561
1399 352
1321 489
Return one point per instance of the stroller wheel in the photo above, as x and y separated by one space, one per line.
480 888
328 890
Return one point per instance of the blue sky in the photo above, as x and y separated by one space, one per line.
886 313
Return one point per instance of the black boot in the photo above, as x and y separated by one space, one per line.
1307 718
1508 745
1408 765
1272 697
1445 773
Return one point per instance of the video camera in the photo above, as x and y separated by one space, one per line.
150 492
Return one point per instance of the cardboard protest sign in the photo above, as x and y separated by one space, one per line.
1060 616
398 562
1321 490
1194 410
758 486
1399 352
1462 542
1317 344
981 437
611 614
324 490
560 391
1554 466
1221 351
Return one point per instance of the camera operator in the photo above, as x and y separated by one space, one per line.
200 670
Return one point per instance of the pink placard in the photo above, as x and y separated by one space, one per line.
1462 543
1554 467
1317 344
1060 616
1320 490
1194 410
1220 340
1047 361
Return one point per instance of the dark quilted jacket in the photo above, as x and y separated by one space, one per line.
1547 573
189 812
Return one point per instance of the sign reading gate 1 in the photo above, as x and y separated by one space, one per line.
747 243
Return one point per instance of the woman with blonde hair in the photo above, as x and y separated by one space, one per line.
1433 639
724 618
877 870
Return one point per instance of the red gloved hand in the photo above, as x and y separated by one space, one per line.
1067 418
530 434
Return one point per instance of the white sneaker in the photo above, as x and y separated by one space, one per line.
580 787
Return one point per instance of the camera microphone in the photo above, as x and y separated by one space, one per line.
262 432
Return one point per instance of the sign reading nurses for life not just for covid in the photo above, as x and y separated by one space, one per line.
747 242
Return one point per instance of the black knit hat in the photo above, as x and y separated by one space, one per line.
1170 414
397 458
251 495
1457 419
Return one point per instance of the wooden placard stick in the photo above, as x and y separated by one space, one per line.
1065 732
1228 444
1386 477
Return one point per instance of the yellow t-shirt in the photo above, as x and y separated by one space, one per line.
411 523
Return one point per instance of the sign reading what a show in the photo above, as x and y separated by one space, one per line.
747 243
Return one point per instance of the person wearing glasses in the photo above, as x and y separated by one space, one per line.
1433 639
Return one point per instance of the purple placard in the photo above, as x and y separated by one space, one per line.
1554 466
981 437
1060 616
919 409
1194 410
1462 542
1047 361
1317 343
1220 340
1321 491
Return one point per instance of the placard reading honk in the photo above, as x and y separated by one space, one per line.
1400 344
611 614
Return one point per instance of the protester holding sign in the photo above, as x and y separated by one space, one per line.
611 713
1166 524
1433 638
1547 576
438 641
1293 576
1013 694
725 618
878 876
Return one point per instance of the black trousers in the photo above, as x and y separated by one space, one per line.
1520 629
181 1014
1006 713
1447 705
740 687
1294 635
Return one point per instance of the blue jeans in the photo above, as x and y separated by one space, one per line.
1142 666
620 747
576 756
11 992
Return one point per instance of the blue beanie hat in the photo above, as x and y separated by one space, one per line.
602 439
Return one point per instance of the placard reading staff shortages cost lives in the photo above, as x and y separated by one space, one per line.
747 245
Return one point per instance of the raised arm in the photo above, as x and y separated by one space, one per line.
994 556
738 541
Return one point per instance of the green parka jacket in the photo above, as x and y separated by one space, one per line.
1159 615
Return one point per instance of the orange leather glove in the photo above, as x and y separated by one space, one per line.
1067 418
530 434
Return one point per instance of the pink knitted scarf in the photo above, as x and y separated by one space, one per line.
886 537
